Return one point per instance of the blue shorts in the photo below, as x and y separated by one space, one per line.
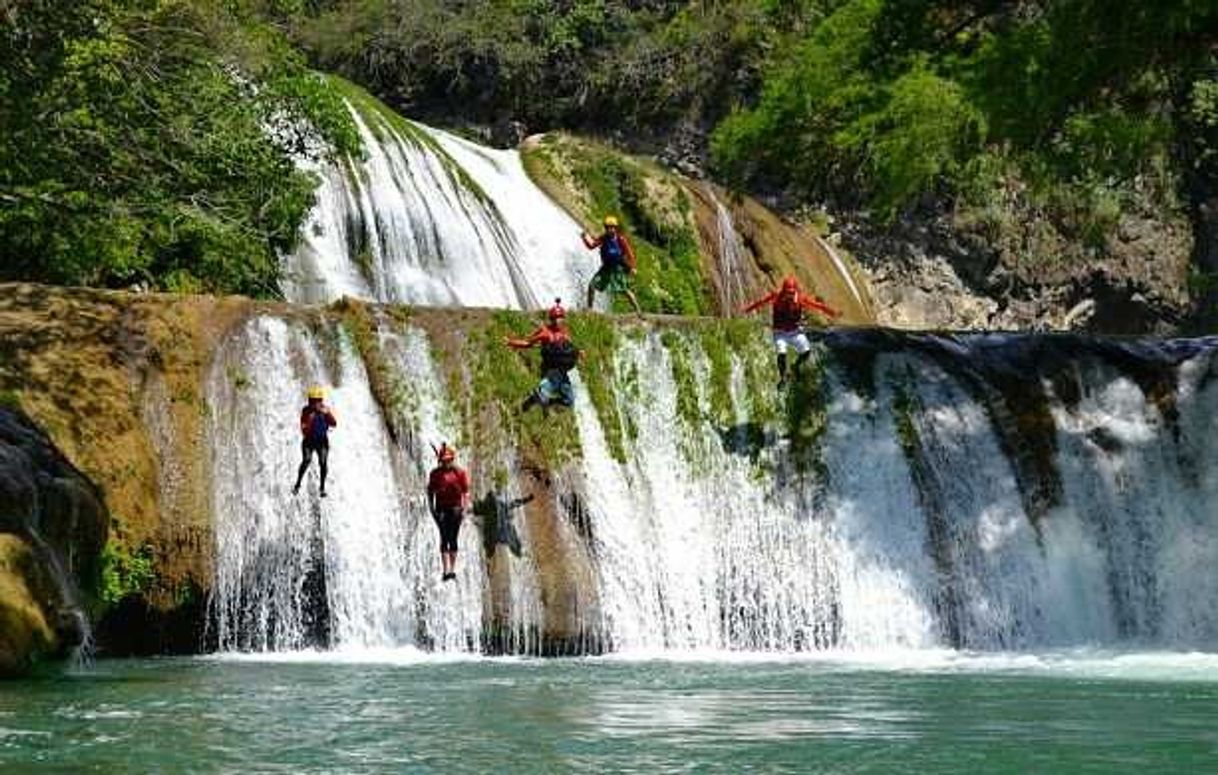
555 388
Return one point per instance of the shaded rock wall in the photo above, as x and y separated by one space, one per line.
52 529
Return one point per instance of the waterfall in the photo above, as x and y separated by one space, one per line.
981 492
427 218
733 266
360 568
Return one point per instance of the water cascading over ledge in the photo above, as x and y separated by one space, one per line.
914 491
429 218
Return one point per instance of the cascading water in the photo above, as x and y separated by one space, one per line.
895 500
427 218
733 271
358 568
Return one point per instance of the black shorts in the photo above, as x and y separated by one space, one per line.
450 525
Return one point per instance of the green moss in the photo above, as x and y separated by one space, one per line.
10 399
807 418
597 337
391 392
655 212
125 572
500 379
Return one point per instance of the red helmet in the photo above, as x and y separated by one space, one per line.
446 454
790 285
557 312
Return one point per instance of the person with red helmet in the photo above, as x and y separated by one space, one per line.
447 499
790 304
617 262
559 356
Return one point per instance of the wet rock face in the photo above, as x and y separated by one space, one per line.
52 529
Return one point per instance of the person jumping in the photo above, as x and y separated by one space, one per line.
558 357
790 303
447 499
617 262
316 420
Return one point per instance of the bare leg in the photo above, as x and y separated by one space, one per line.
634 302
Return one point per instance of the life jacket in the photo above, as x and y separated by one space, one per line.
613 250
559 354
318 426
448 485
788 314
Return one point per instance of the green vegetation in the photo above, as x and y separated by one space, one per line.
1071 113
124 571
500 379
583 64
597 337
655 213
135 146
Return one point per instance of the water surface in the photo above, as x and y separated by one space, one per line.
404 711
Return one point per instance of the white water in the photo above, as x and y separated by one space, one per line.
733 263
911 536
405 225
370 540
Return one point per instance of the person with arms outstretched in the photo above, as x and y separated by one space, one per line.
558 357
790 304
617 262
316 420
447 499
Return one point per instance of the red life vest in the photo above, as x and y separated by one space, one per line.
448 485
788 314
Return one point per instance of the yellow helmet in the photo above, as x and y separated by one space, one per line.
611 220
317 392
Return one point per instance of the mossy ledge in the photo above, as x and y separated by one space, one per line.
117 380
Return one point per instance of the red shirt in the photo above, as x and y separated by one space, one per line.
449 486
789 309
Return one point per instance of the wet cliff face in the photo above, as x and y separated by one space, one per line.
52 529
985 491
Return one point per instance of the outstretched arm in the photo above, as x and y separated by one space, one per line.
590 242
763 301
816 305
524 344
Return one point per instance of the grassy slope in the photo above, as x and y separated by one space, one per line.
673 222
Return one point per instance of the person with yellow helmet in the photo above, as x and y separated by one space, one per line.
447 499
316 420
617 262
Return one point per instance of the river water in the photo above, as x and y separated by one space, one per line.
406 711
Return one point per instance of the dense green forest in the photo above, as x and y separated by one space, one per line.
136 147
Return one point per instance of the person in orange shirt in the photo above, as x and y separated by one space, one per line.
447 499
558 357
790 304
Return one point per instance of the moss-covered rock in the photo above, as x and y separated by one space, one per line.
676 226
